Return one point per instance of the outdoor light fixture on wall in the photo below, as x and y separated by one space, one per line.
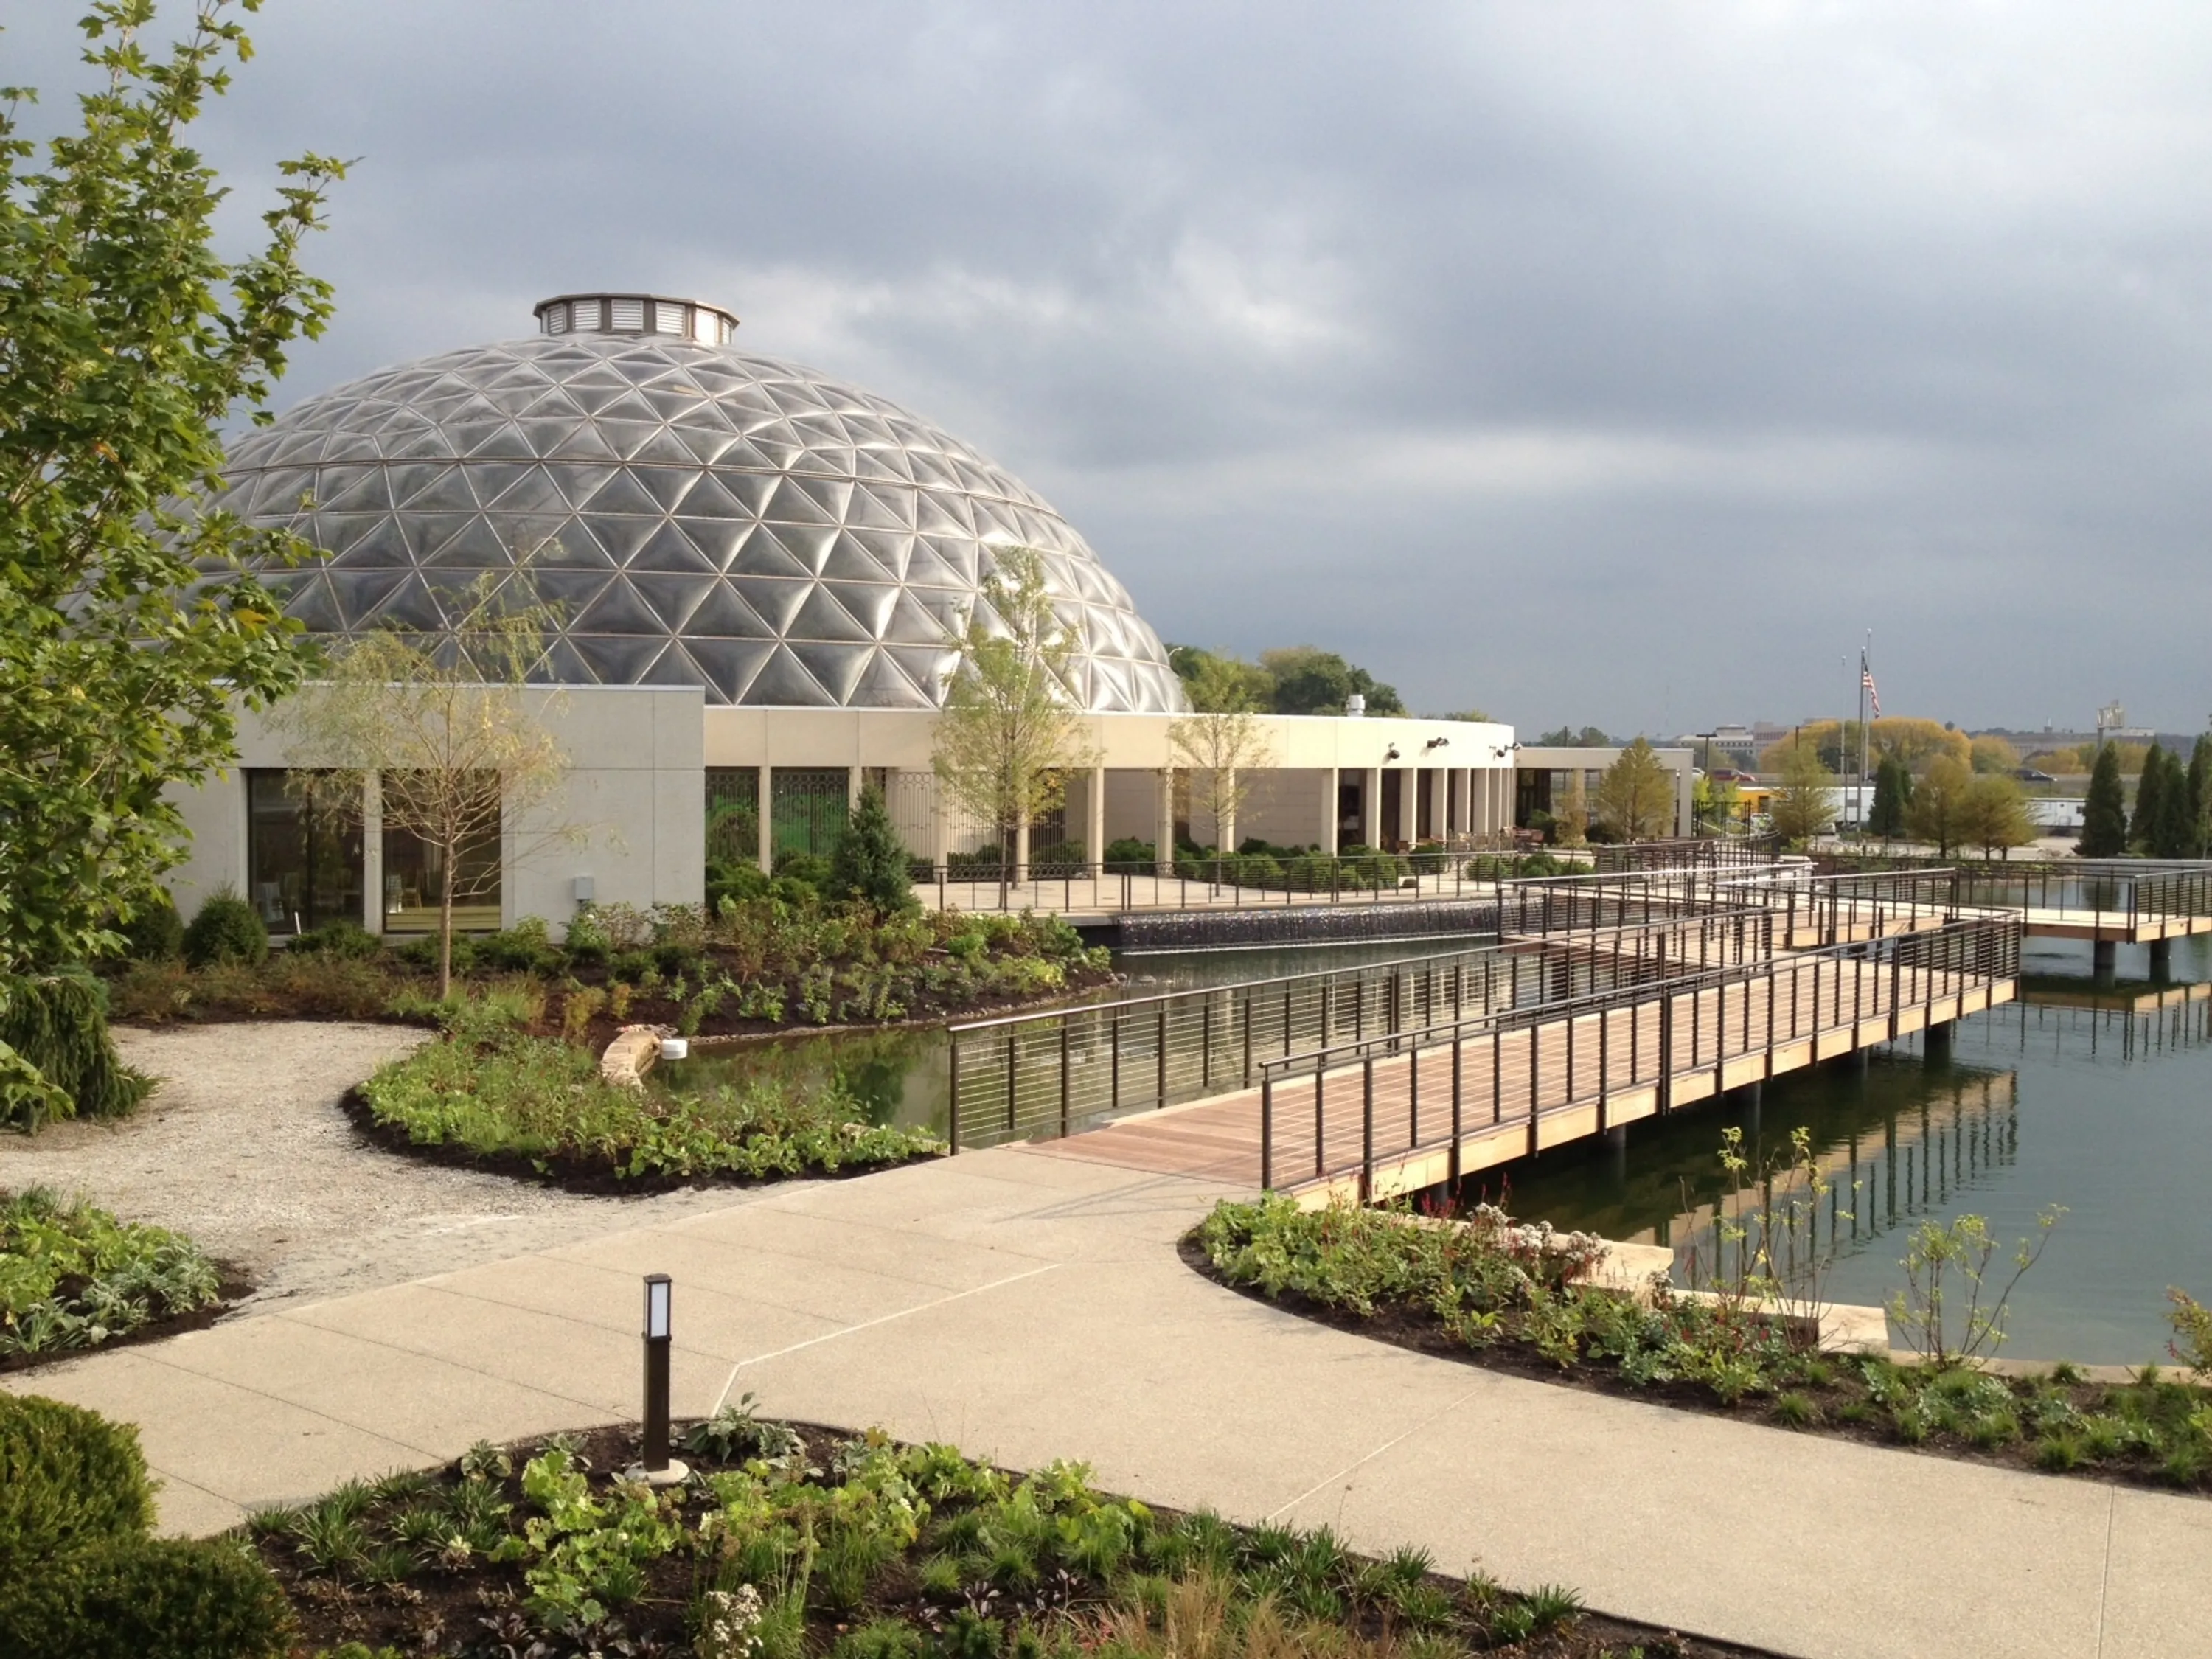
1393 754
654 1464
1439 743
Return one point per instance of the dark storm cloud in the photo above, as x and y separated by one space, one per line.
1617 362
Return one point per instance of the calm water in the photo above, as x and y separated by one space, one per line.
2063 1098
903 1076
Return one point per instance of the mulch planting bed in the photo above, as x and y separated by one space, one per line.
423 1600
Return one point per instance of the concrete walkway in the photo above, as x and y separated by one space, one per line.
1029 1307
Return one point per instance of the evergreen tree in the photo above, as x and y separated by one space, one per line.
2172 830
1893 796
2150 801
2105 814
2200 800
870 863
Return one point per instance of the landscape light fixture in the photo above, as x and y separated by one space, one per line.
655 1466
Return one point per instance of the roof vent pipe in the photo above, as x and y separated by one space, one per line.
1355 706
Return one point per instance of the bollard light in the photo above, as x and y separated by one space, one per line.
655 1465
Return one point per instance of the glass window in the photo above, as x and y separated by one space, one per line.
415 873
303 868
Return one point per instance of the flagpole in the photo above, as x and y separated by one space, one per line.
1857 792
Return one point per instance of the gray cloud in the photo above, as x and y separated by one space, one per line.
1617 363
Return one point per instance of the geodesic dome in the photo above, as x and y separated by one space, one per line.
693 515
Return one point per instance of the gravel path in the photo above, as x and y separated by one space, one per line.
243 1147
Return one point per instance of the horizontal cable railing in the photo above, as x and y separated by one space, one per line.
1689 852
1256 880
2106 894
1330 1115
1057 1070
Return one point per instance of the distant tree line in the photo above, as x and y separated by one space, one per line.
1291 679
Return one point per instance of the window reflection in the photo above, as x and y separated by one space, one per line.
303 866
414 869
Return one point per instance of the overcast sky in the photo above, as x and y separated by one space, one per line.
1614 363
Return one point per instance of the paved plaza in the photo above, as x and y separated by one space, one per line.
1028 1307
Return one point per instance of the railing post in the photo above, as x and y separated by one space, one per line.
1205 1043
1248 1041
1413 1098
1114 1077
1162 1060
1367 1130
952 1106
1320 1166
1457 1110
1063 1078
1267 1133
1013 1072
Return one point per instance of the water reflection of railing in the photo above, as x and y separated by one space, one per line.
2131 1022
1873 1179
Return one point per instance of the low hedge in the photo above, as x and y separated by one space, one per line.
68 1479
148 1598
79 1576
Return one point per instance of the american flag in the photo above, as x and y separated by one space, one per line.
1866 681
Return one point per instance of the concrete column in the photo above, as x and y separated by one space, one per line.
1370 807
2161 960
1021 852
767 822
1094 823
1409 805
1163 835
2103 959
1936 1047
1327 840
854 776
372 854
1463 800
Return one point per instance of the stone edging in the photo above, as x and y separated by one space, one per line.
632 1054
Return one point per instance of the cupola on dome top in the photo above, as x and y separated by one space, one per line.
695 515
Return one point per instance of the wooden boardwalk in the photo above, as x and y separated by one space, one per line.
1383 1122
2115 926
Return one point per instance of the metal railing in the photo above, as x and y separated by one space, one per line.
1247 881
1837 908
1690 853
1328 1114
1057 1070
2116 894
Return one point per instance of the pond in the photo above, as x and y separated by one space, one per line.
2074 1095
903 1077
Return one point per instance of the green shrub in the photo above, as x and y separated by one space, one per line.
68 1479
521 949
226 929
870 864
156 932
72 1276
338 937
146 1598
57 1022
